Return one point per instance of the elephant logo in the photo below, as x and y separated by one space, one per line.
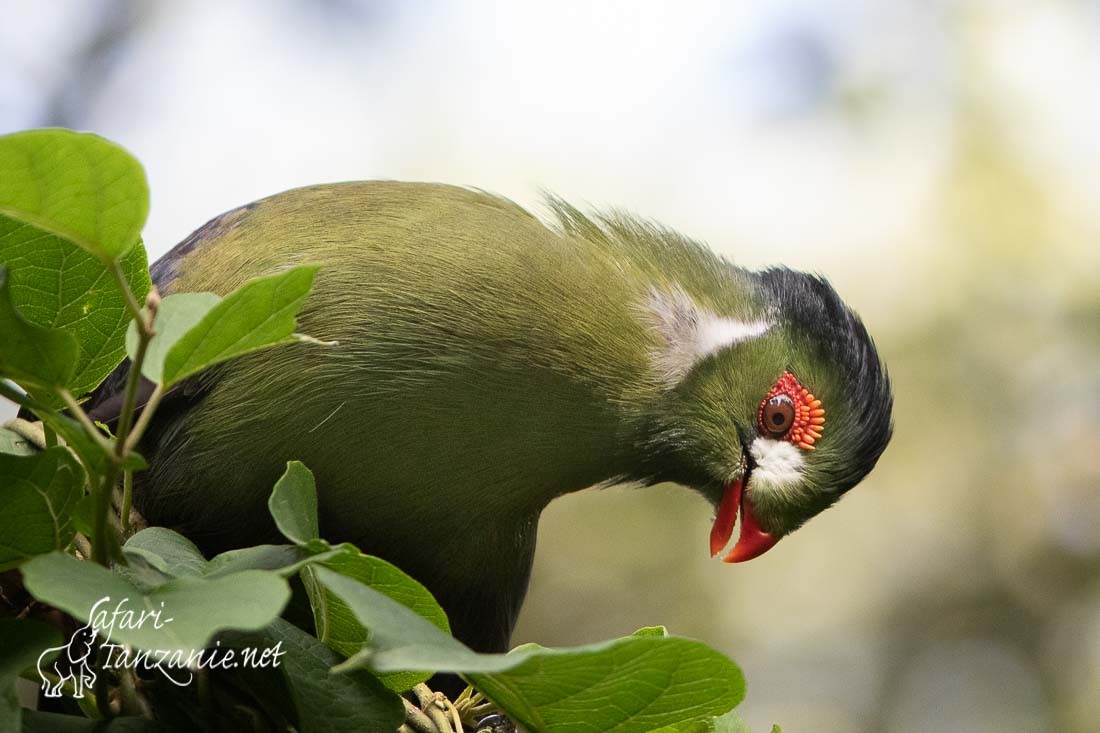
78 653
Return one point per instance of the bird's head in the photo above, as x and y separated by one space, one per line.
773 416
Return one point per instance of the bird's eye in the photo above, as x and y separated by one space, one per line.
778 415
790 412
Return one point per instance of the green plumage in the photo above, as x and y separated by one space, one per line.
487 363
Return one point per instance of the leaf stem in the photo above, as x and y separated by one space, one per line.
85 421
100 551
127 500
51 436
125 439
131 300
129 399
144 322
143 421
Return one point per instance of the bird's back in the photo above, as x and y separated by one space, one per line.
479 372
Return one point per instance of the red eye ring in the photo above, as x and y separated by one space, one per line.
807 421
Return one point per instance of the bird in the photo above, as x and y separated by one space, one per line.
489 360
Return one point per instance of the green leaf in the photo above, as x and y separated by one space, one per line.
391 581
393 627
77 186
192 609
176 315
156 555
60 191
22 642
637 683
729 723
83 515
283 559
38 493
32 355
174 556
660 631
293 504
631 684
169 552
337 625
325 702
55 284
258 314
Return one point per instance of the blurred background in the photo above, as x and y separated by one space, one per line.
937 160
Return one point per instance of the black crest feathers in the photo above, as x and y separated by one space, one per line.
817 316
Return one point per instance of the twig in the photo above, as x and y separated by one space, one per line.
83 545
417 720
431 703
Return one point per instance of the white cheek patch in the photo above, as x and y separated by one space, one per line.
692 333
778 463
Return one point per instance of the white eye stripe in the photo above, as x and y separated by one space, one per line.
714 333
691 333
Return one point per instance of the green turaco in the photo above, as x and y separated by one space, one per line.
490 361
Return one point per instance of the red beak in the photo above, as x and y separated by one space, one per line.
753 541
